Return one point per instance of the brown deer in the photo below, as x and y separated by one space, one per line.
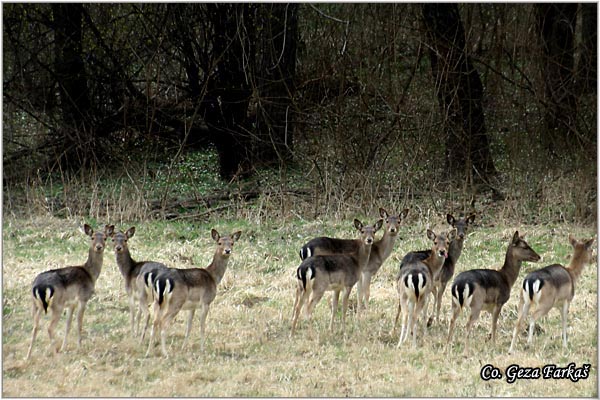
335 272
462 226
552 286
68 287
131 269
416 280
380 251
488 289
189 289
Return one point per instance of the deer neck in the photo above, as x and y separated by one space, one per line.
384 246
576 265
94 263
363 254
511 267
434 262
455 250
125 263
218 266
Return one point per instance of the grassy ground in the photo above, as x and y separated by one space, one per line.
249 352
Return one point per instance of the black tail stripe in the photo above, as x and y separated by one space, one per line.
41 294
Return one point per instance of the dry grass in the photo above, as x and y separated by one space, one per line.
249 352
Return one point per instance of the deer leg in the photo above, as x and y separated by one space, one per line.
475 311
301 296
495 315
132 312
37 312
366 284
80 313
541 310
334 305
345 298
523 311
143 311
188 328
155 326
456 309
56 312
68 326
564 314
203 315
397 316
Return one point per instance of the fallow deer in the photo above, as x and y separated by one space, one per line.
68 287
488 289
415 282
552 286
189 289
334 272
137 292
462 226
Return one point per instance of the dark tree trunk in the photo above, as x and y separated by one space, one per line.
225 104
459 92
276 67
556 27
76 142
588 61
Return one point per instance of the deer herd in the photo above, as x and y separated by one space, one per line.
328 264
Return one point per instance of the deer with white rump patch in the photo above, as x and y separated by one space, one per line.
334 272
138 290
415 282
552 286
488 289
380 250
189 289
68 287
462 226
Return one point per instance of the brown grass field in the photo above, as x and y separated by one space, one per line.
249 351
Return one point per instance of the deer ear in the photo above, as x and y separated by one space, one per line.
452 234
88 230
109 230
431 234
378 225
382 213
471 218
130 232
236 236
589 243
572 240
357 224
404 213
450 219
215 235
515 238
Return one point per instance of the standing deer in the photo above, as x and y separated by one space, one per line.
131 270
380 251
552 286
462 226
488 289
68 287
335 272
188 289
416 280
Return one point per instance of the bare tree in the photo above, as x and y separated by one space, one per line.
460 93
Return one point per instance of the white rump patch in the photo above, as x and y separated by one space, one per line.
467 297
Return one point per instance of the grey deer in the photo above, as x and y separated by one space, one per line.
68 287
488 289
189 289
138 276
334 272
552 286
